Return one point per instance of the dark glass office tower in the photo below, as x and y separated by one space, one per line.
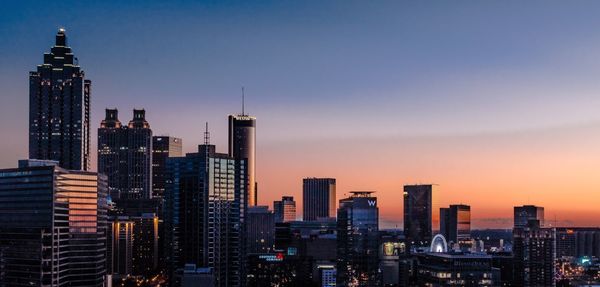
418 214
205 214
242 145
59 109
358 240
162 148
52 226
125 155
318 198
455 222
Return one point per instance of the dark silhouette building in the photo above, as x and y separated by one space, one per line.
242 146
455 222
523 214
59 109
260 230
285 209
358 240
418 214
52 226
318 198
125 155
162 148
205 214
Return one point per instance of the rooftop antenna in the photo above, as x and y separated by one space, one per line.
243 96
206 135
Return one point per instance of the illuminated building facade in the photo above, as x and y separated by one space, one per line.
455 223
205 214
392 254
456 269
52 226
162 148
420 214
285 209
358 240
318 198
133 247
119 248
242 146
125 155
59 109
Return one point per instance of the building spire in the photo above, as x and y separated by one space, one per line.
243 96
61 37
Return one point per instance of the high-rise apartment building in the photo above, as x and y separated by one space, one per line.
125 155
285 209
59 109
420 214
455 222
205 214
534 250
524 214
318 198
358 240
52 226
242 146
162 148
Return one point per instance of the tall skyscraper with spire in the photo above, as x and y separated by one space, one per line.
242 145
59 109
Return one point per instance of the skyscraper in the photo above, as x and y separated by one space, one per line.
205 214
358 240
162 148
455 222
125 155
285 209
525 213
318 198
419 214
59 109
139 157
260 227
52 226
242 146
534 250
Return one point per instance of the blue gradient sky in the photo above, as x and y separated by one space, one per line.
471 95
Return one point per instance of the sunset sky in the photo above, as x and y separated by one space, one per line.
496 102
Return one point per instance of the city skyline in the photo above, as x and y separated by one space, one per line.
532 150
